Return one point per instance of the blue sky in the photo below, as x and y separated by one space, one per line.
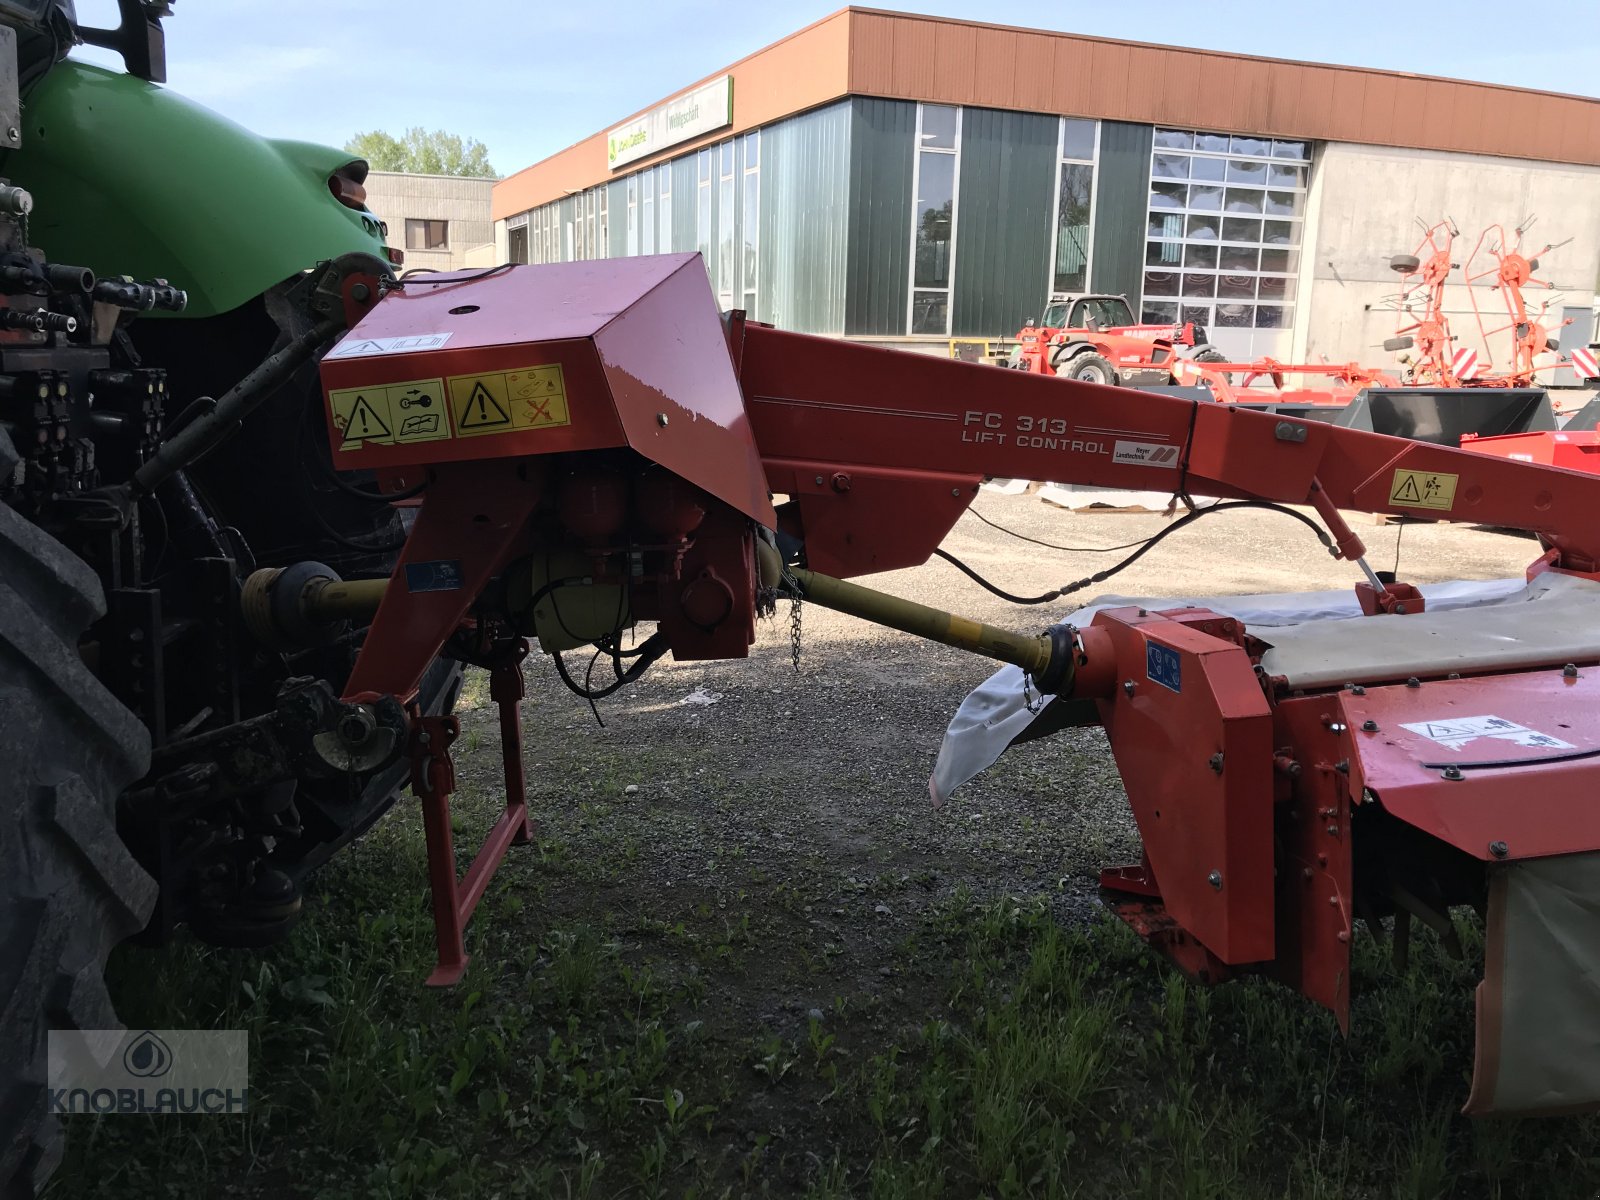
528 78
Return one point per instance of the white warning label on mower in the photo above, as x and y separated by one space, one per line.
1456 732
360 347
1145 454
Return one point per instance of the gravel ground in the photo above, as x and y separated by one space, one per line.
746 780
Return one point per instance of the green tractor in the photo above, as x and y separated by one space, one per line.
168 282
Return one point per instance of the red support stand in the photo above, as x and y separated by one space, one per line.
433 779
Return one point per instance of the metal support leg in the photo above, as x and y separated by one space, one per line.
433 779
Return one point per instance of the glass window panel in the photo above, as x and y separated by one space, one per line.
1200 314
1247 172
1210 169
1236 287
936 184
1203 228
1240 258
1234 316
1199 285
647 225
705 165
1271 316
1284 204
702 223
1244 200
1279 175
1162 254
752 219
938 127
752 150
1072 228
1279 260
1240 229
1170 166
930 312
1289 150
1160 283
1208 199
1174 139
1159 313
1278 233
1275 287
725 236
1168 195
1200 256
1077 138
1166 225
726 151
1250 145
1215 143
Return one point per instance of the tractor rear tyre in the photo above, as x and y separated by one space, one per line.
1089 368
69 889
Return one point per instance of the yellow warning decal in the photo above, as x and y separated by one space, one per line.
390 414
1423 489
508 401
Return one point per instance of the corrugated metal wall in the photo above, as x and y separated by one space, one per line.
1121 200
1003 219
882 134
805 209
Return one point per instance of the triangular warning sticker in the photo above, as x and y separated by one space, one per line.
1407 492
482 410
364 422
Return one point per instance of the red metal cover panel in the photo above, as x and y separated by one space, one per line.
1512 759
1207 828
542 360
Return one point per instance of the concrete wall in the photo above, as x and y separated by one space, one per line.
464 203
1363 209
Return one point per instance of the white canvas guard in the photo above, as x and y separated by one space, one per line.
996 711
1538 1036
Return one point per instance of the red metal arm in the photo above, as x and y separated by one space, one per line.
838 423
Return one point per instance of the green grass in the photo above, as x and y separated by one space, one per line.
614 1045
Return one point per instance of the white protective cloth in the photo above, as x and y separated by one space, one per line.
996 711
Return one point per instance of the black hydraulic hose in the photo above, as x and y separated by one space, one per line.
987 586
207 431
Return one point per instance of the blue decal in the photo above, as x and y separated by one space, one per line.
441 576
1163 665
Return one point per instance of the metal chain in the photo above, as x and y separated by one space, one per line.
794 633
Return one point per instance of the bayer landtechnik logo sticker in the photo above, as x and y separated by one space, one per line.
148 1071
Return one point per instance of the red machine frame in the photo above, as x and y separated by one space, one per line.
681 426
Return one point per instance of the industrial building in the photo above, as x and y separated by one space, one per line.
910 179
441 221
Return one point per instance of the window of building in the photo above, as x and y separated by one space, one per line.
702 207
427 235
933 225
633 215
647 211
1072 238
1223 232
664 208
604 227
751 227
724 280
517 243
